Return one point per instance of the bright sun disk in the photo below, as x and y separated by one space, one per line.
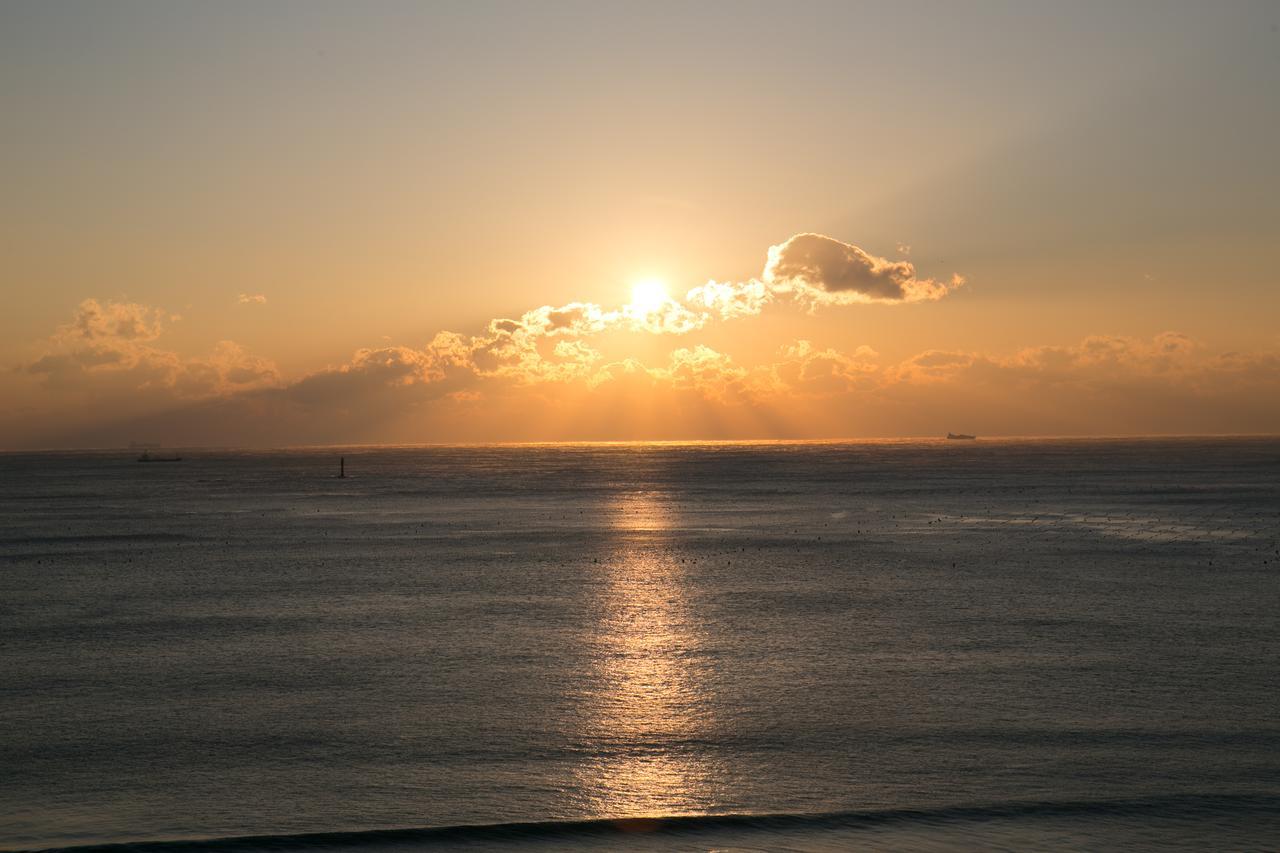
649 295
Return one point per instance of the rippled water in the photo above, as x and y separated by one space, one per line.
928 645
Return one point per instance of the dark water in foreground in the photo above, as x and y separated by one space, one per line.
921 645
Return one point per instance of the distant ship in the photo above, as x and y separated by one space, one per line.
147 457
959 436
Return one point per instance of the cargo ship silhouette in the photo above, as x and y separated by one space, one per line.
147 457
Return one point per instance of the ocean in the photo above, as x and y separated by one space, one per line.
900 645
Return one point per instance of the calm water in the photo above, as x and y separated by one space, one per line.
917 645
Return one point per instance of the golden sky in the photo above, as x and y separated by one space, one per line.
296 223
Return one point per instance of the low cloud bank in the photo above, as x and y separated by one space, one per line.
544 375
1101 385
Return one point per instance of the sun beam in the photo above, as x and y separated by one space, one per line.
649 295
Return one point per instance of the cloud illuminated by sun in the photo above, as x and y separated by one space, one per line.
649 295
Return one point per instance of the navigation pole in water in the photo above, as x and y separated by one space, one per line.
342 466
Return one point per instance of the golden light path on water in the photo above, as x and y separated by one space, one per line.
648 710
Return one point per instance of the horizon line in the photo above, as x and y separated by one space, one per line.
648 442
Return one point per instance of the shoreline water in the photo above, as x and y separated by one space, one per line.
1181 811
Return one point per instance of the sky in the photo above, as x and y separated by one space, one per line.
292 223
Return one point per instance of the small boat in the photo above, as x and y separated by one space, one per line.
959 436
147 457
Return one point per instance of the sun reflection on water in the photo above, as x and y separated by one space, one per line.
647 711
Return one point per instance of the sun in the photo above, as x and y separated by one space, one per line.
649 295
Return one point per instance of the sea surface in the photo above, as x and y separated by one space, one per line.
913 645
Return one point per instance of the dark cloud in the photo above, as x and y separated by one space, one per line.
826 271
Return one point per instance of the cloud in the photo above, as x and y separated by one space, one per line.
1160 384
114 321
107 348
228 369
820 270
1097 361
669 318
542 346
549 344
806 370
702 370
568 389
368 373
802 370
729 301
692 379
816 271
251 299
